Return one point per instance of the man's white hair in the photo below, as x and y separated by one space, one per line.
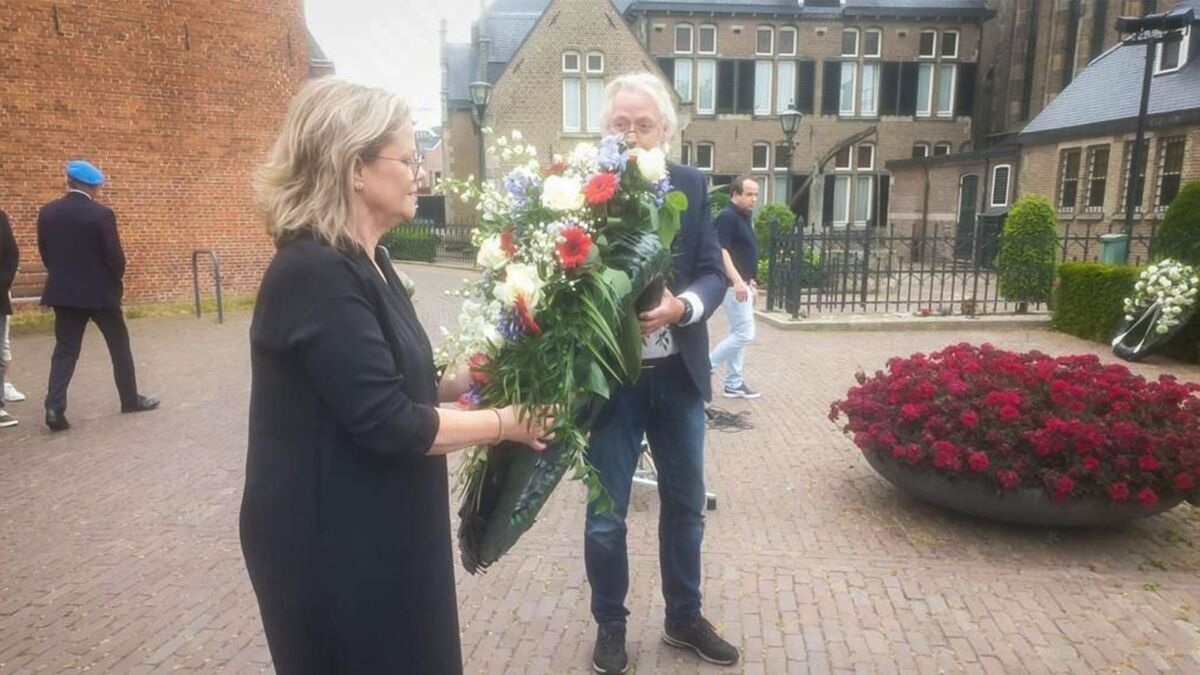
647 83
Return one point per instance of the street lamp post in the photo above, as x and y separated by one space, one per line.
1151 31
481 95
789 121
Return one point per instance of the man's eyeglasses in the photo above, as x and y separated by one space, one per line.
642 128
415 163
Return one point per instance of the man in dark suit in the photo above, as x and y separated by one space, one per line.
78 242
665 405
10 257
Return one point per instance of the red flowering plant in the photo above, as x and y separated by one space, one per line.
1070 425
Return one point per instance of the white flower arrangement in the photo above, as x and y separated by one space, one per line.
1166 290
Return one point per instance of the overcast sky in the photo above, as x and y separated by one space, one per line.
392 43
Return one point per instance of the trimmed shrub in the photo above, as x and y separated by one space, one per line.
1026 260
718 200
411 241
762 223
1179 236
1089 299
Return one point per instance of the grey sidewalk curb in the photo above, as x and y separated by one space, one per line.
887 322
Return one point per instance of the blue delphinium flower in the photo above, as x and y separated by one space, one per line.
661 188
610 157
509 326
518 183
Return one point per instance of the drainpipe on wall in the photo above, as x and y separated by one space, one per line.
920 256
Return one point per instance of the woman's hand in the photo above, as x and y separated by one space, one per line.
454 383
532 431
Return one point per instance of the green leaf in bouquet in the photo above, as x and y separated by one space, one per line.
594 380
668 226
618 282
676 201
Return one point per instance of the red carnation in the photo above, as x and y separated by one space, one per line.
1184 482
476 364
1147 497
1090 464
1119 491
978 461
1009 413
969 418
600 188
574 247
1008 479
1148 463
507 244
526 318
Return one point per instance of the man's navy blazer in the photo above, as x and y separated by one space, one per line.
77 238
697 266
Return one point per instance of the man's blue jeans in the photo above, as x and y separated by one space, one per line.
741 333
665 405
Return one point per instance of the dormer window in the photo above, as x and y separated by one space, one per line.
1172 54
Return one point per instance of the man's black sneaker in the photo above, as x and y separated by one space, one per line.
701 637
741 391
609 654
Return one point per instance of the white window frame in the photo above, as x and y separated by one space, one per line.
712 155
699 41
957 40
1007 185
860 219
785 87
577 125
766 68
578 62
862 84
848 201
701 108
780 196
683 65
760 167
941 68
685 154
594 93
942 144
849 160
795 36
770 47
878 43
1184 44
854 157
857 43
925 108
852 109
691 38
923 33
588 63
924 146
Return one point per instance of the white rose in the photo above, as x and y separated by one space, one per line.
520 281
562 193
493 337
491 256
652 164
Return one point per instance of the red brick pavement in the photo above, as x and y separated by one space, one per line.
119 549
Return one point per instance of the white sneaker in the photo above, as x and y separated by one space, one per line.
7 420
11 394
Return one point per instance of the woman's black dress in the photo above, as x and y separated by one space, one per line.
345 521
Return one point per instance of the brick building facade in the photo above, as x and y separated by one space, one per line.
176 102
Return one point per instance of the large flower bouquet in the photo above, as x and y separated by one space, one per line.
569 254
1163 302
1069 425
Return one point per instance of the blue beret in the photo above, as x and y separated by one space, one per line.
84 172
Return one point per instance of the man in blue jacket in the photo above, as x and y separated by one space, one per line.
666 405
85 265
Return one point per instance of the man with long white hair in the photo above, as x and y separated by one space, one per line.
665 405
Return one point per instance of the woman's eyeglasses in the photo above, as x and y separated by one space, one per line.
415 163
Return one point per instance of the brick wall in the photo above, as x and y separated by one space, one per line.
176 102
460 144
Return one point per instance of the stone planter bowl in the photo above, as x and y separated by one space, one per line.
1025 506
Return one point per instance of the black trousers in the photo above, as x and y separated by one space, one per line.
69 326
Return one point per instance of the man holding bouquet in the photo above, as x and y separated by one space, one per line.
665 405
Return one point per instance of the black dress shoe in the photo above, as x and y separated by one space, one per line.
142 404
57 421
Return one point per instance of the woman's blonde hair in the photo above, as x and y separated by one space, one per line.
305 184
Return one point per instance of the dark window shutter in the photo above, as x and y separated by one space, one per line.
726 85
745 87
806 86
831 88
965 90
668 68
889 88
883 188
908 88
827 202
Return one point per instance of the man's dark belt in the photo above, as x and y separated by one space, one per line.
662 361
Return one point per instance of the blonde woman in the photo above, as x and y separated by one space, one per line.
345 522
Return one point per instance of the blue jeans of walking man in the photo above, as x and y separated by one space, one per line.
741 333
665 406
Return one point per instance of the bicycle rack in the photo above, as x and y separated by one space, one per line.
216 271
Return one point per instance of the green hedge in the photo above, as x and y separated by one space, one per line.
411 242
1026 260
1089 299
